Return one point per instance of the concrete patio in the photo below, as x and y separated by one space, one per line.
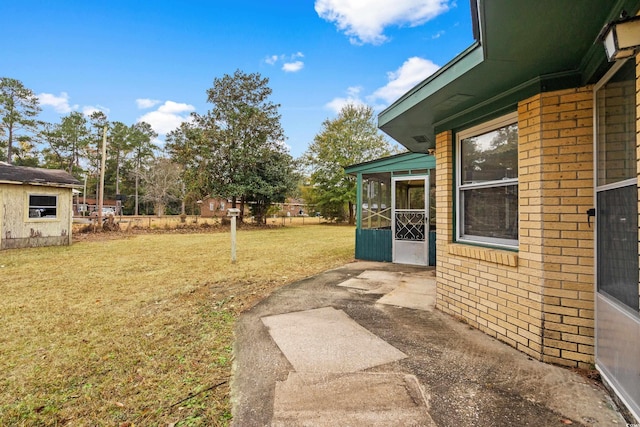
362 345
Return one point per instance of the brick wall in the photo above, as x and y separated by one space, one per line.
539 299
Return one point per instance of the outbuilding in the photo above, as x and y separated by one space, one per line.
536 140
36 206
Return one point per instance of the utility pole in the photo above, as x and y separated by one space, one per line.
102 167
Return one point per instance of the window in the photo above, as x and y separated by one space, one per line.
617 187
487 184
43 206
376 201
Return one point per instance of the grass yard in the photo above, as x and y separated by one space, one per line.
139 330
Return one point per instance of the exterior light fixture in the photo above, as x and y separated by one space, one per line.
621 38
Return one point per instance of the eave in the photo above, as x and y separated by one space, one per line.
525 47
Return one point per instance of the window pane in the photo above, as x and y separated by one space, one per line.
410 194
376 201
617 218
492 156
42 201
616 106
491 212
42 206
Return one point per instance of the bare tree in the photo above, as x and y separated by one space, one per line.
162 184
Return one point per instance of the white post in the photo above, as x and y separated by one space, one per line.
233 213
233 240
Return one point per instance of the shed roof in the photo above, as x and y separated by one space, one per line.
398 162
10 174
522 48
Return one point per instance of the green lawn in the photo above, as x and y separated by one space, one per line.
138 330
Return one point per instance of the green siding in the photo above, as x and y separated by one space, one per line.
376 245
432 248
373 245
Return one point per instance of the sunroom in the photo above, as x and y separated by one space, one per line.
395 209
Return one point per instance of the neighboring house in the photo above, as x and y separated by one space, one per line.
535 133
215 207
293 207
88 205
35 206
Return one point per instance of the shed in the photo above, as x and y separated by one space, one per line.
535 134
395 209
36 206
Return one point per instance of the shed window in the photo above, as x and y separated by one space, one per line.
487 184
43 206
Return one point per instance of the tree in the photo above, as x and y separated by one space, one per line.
274 179
66 142
119 148
183 144
350 138
224 150
162 183
18 110
142 149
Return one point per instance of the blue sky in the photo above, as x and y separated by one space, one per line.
154 60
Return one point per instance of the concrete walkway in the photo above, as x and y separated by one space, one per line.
363 346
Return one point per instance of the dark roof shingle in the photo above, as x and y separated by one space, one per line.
40 176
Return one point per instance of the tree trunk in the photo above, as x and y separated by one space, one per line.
351 215
137 180
9 144
183 205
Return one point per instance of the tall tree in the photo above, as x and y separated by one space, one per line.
93 150
140 136
67 142
162 183
119 148
183 144
350 138
222 149
19 108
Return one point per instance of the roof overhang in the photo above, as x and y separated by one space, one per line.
523 47
398 162
23 175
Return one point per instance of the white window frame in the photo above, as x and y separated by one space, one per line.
30 207
483 128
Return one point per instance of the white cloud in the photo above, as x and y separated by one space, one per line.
353 97
144 103
291 64
292 67
88 110
59 103
413 71
364 21
168 116
271 60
